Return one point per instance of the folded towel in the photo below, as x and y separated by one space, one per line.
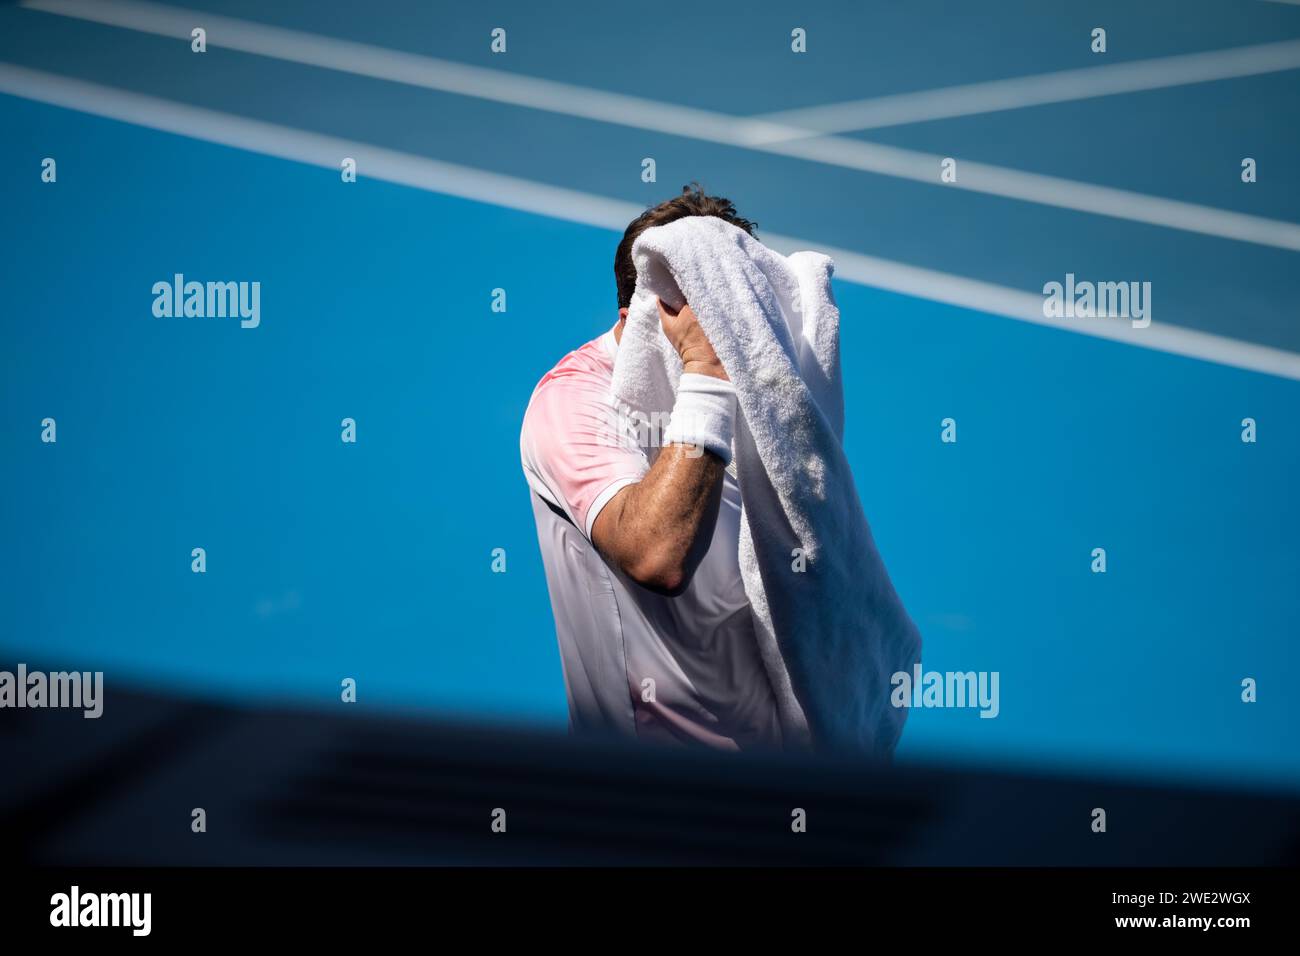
831 629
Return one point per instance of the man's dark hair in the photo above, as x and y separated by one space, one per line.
692 202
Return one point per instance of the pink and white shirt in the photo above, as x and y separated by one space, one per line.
680 669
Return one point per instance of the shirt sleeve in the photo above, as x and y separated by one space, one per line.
574 453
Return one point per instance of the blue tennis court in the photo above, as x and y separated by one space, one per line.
515 171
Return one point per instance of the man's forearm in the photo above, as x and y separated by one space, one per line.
657 530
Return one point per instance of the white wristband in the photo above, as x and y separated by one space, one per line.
704 415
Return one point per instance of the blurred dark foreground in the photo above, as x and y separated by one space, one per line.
349 787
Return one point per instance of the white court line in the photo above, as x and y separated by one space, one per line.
972 99
507 191
500 86
396 66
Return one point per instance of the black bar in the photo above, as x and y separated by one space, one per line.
564 905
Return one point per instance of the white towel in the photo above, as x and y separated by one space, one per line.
832 635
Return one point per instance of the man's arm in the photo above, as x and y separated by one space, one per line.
658 529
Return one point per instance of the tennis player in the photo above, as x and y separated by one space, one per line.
655 631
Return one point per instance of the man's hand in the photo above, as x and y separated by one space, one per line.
688 339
